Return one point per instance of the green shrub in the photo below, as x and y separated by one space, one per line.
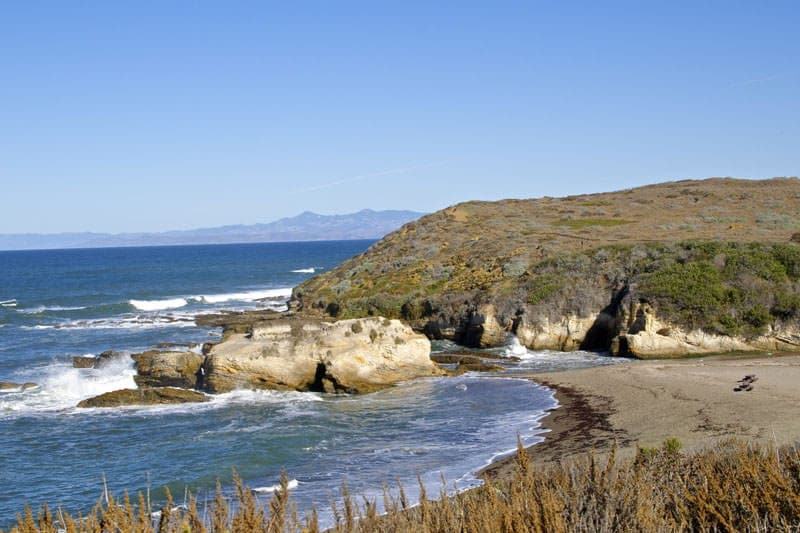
693 291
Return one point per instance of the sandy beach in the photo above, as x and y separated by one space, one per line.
642 403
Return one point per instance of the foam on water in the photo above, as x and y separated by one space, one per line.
547 360
44 309
8 303
309 270
293 483
249 296
123 322
246 296
61 387
158 305
516 349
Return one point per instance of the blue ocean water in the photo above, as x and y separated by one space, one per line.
61 303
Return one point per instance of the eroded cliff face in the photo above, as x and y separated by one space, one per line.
629 328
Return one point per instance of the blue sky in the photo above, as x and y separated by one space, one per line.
126 116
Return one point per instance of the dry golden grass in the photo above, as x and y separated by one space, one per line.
731 487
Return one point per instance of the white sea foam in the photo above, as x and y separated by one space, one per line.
246 296
515 348
309 270
249 296
158 305
44 308
293 483
9 303
123 322
62 387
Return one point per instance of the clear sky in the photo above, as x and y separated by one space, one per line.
151 115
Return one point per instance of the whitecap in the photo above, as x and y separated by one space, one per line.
122 322
44 308
515 348
9 303
249 296
309 270
293 483
158 305
62 387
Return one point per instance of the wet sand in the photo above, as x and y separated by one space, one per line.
642 403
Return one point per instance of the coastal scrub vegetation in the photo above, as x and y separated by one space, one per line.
732 486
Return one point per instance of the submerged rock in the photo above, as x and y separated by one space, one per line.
10 386
356 356
455 359
107 357
145 396
155 368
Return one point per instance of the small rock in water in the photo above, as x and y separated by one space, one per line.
107 357
145 396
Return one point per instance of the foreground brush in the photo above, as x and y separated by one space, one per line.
733 486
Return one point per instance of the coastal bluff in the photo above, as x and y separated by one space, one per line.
666 270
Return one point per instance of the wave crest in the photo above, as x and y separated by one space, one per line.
158 305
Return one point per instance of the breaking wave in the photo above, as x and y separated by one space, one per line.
247 296
62 387
158 305
45 308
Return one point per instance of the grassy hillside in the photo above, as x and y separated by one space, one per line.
717 254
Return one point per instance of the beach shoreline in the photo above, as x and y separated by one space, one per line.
642 403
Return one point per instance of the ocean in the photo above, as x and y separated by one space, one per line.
56 304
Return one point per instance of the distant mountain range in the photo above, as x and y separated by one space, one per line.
308 226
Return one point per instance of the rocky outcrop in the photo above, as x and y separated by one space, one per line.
144 396
169 369
354 356
82 361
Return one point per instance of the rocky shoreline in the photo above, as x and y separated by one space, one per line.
278 352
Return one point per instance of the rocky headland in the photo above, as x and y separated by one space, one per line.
668 270
662 271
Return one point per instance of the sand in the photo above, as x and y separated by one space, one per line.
642 403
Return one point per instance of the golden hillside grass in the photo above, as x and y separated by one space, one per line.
731 487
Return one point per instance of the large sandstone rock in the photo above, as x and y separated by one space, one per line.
156 368
360 355
145 396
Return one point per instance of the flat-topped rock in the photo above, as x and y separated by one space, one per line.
356 356
145 396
